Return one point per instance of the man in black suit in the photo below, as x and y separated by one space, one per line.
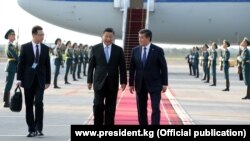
148 73
33 74
105 64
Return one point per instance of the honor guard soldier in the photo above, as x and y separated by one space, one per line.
205 62
75 60
11 67
85 59
213 58
58 60
245 59
69 59
225 60
80 61
196 62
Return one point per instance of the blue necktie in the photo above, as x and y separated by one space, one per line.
107 53
144 57
37 54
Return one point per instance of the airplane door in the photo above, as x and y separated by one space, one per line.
136 4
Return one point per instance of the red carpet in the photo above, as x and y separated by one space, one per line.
126 112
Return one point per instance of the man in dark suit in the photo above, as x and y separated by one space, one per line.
11 65
33 74
105 64
148 73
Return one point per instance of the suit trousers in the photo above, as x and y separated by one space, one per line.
142 98
35 123
105 104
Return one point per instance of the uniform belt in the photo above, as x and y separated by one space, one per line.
247 61
11 59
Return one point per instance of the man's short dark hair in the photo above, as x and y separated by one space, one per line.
147 33
36 28
108 30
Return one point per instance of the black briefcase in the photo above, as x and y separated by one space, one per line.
16 100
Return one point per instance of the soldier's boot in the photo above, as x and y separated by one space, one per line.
74 77
204 77
248 93
66 80
78 76
227 86
6 99
214 82
208 79
55 84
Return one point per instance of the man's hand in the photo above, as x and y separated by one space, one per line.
123 86
47 86
131 89
89 86
164 88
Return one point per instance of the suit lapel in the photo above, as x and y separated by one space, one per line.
41 53
32 51
112 53
150 54
101 47
138 55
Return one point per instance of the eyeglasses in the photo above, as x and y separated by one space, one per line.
40 34
12 34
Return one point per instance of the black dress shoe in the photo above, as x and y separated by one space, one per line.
31 134
246 97
39 133
57 87
225 89
6 105
213 85
67 83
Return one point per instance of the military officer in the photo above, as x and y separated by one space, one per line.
225 59
213 58
11 65
58 60
245 59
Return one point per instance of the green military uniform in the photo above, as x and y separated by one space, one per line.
75 63
196 63
245 60
213 64
85 60
226 57
205 64
245 56
80 62
11 68
69 59
58 63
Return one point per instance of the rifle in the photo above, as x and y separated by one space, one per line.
17 38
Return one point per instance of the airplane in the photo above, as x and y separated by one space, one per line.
171 21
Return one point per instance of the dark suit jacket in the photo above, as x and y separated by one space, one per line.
99 69
155 72
26 74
